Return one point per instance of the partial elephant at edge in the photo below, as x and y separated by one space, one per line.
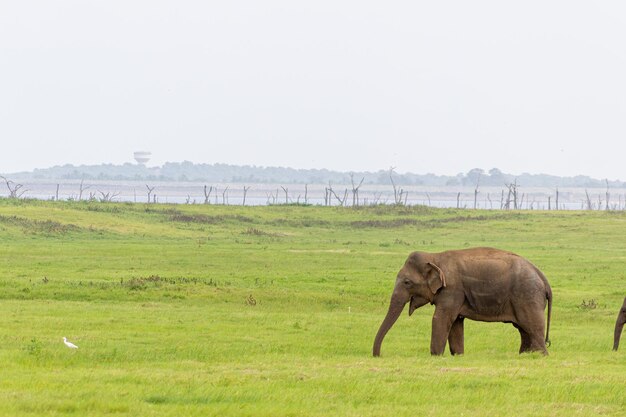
619 325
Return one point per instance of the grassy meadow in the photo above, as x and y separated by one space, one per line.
200 310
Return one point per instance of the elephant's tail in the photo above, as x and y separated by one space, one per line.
549 297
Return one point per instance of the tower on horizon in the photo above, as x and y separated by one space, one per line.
142 157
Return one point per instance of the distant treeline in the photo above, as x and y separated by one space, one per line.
224 173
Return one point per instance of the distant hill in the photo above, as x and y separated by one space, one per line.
224 173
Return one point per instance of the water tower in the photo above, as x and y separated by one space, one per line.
142 157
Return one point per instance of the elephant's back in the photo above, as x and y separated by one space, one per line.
480 254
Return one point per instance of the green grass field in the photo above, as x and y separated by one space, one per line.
272 311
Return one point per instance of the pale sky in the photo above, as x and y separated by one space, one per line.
424 86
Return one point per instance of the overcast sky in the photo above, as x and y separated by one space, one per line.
429 86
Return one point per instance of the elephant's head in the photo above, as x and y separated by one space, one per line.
619 325
417 283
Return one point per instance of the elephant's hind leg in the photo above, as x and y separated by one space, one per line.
533 325
525 344
456 338
538 343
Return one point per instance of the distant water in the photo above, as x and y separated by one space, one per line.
264 194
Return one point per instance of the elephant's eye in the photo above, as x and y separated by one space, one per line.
407 282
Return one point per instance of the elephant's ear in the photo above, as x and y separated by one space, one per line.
436 278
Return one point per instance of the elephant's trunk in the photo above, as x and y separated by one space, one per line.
619 326
396 306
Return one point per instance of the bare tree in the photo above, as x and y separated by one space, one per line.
556 202
150 189
108 196
355 190
306 194
549 197
397 193
507 204
342 201
458 200
608 195
428 197
56 197
330 192
339 199
207 194
512 193
286 191
225 196
476 191
245 192
589 203
81 189
15 190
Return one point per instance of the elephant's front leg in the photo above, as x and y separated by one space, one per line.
455 338
442 323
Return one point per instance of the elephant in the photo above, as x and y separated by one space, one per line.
619 325
483 284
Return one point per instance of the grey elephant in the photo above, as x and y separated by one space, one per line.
619 325
483 284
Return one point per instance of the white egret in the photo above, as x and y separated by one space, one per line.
69 344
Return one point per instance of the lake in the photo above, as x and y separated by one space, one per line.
319 194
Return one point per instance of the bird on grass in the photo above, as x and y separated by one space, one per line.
69 344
